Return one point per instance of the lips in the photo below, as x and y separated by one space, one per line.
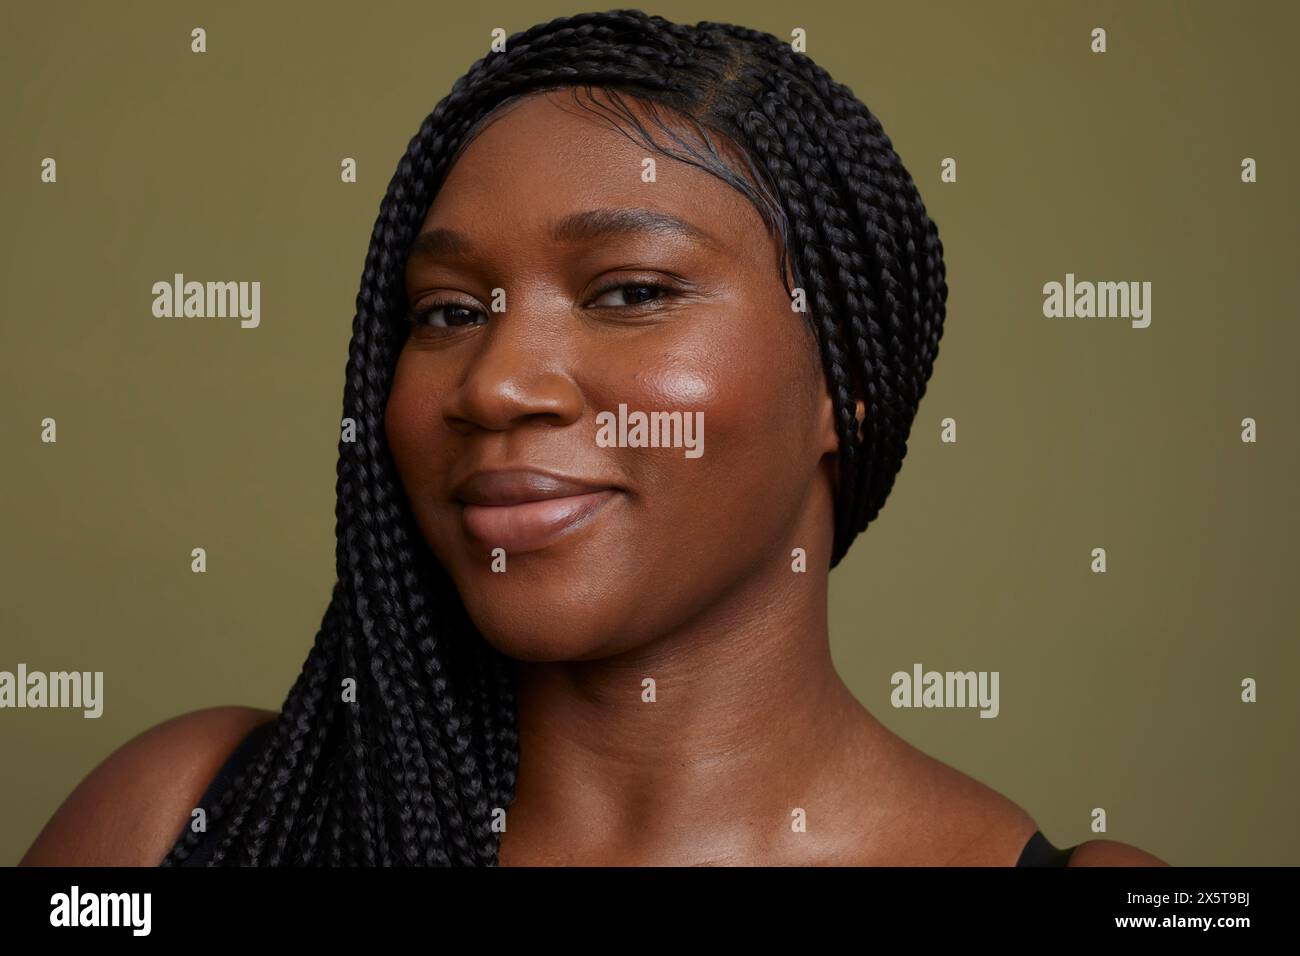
524 510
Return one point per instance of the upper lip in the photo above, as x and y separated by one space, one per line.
512 486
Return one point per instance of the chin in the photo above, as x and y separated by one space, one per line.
563 615
544 638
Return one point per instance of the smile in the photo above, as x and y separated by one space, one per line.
526 509
532 525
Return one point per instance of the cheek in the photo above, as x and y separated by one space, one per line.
744 389
409 424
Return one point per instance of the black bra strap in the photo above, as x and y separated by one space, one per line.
248 748
242 755
1039 851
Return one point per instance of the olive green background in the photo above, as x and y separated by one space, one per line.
1119 690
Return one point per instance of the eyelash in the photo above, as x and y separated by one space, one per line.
420 316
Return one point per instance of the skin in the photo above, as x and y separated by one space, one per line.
682 576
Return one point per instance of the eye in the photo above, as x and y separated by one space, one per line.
442 315
632 293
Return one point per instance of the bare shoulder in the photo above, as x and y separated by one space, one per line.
968 823
130 808
1111 853
960 821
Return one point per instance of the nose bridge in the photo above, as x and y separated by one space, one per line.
520 366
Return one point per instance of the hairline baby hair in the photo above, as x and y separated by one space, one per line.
411 772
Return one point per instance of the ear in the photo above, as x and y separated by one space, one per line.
829 437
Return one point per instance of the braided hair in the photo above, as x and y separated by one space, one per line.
411 771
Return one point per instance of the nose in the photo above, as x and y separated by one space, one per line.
520 371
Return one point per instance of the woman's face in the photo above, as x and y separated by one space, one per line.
494 418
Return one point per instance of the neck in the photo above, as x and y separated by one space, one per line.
749 721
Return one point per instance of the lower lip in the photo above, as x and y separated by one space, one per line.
532 525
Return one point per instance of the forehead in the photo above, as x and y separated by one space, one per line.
544 157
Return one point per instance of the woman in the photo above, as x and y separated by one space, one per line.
558 636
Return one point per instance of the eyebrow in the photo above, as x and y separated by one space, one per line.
589 226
